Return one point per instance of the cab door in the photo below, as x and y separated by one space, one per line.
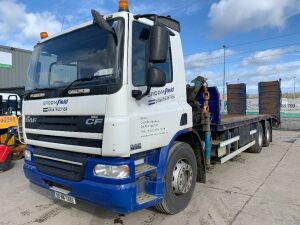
154 119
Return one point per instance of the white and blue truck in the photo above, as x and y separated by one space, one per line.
108 117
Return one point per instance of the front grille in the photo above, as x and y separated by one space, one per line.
72 133
62 164
88 124
66 140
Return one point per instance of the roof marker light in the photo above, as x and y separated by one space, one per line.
123 5
43 35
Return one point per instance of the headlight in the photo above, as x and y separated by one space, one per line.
27 155
108 171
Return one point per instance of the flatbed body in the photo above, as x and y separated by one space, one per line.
234 134
229 121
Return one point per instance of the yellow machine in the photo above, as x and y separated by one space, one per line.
9 124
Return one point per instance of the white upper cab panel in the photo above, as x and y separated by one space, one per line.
123 15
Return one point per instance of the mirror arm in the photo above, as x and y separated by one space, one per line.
102 23
138 94
115 36
112 32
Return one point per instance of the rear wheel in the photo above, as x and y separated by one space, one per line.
258 140
180 179
267 136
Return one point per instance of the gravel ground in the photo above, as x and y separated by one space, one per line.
249 189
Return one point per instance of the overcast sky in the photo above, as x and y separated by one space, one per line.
262 37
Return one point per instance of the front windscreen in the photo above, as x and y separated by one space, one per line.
85 53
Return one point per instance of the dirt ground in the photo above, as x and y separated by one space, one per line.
249 189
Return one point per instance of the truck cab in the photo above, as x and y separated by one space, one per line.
108 117
105 102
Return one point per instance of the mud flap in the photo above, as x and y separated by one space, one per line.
5 157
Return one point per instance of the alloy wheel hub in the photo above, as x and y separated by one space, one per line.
182 177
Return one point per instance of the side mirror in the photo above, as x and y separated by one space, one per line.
159 44
155 77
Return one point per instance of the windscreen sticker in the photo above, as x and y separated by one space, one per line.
104 72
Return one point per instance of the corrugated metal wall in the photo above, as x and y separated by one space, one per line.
15 76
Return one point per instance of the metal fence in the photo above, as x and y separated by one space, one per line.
290 108
289 111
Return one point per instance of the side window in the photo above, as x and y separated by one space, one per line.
140 41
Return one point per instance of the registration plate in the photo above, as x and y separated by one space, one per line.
64 197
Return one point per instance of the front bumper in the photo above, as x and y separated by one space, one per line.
119 198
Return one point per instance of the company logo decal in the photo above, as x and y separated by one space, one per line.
161 95
59 105
135 146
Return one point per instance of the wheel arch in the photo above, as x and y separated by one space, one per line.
193 139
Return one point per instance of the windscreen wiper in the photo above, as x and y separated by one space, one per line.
42 89
79 80
38 92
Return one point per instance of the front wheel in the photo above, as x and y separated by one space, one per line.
180 179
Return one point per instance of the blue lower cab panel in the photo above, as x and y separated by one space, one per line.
120 198
112 194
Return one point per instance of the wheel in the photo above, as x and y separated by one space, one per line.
267 136
258 140
7 164
180 179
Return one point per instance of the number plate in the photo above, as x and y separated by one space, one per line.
64 197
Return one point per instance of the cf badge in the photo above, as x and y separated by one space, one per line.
93 121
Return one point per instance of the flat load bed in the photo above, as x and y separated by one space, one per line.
229 121
228 134
236 106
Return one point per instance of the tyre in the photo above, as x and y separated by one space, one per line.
180 179
7 164
267 136
258 140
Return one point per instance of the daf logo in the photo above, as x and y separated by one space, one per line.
30 119
93 121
